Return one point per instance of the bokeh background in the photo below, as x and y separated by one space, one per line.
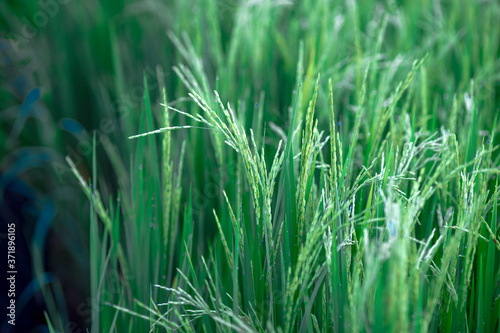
70 69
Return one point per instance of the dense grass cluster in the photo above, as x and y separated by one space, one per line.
307 166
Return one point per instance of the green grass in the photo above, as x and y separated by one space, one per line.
304 167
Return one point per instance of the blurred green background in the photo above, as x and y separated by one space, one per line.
69 69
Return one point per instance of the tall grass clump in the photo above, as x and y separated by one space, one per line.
311 167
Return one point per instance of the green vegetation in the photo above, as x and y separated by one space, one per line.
305 167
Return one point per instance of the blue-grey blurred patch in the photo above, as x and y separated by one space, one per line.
23 114
32 288
72 126
26 158
43 224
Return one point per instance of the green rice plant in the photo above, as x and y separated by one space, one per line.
393 279
309 166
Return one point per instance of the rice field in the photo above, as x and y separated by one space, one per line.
268 166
